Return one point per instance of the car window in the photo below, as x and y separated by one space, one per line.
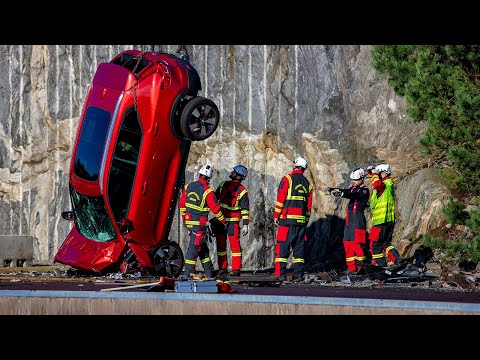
91 217
124 164
131 62
91 142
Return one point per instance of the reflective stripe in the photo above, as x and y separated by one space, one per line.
190 262
241 194
298 260
195 207
221 253
299 217
377 256
281 260
237 254
192 222
289 192
201 207
390 248
233 219
207 259
236 207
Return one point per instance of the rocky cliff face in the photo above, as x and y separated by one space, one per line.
276 102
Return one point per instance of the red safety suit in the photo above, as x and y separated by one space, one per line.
235 205
196 201
292 208
355 233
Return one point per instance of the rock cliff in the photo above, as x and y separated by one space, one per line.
276 102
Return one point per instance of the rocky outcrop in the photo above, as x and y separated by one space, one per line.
276 102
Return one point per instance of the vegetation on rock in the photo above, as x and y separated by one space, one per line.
441 86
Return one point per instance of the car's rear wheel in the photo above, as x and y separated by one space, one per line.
168 259
199 118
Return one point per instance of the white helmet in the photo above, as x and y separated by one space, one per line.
383 167
206 170
357 174
301 162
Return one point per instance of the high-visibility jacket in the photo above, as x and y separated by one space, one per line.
294 199
233 199
196 201
382 201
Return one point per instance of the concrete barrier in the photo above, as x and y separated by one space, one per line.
23 302
16 250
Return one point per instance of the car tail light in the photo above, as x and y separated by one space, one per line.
166 77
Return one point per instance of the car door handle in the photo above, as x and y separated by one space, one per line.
144 188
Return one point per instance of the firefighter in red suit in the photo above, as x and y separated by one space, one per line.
196 201
292 213
233 199
354 233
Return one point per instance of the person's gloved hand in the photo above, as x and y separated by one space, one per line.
244 229
337 193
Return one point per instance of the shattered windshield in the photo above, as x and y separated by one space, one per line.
91 217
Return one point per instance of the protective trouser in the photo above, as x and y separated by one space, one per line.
354 238
354 251
381 244
197 247
290 237
233 234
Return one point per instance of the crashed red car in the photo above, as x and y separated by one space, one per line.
140 115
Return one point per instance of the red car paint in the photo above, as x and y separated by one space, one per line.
140 115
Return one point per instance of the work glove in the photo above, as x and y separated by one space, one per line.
337 193
244 229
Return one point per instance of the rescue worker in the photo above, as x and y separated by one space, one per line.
196 201
235 205
355 231
382 205
291 215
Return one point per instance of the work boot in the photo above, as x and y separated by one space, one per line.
222 272
282 277
235 273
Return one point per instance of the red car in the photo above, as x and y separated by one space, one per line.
140 115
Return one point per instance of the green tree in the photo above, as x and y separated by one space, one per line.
441 85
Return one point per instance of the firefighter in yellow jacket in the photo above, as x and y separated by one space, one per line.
382 205
235 205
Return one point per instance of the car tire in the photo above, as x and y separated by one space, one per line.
199 119
168 259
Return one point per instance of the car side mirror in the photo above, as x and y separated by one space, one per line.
68 215
126 226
